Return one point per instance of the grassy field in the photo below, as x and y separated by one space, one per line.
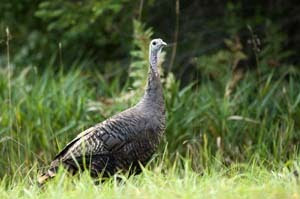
172 181
242 145
231 80
201 157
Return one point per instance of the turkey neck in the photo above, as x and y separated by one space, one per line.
154 93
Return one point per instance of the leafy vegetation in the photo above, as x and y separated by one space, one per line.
232 96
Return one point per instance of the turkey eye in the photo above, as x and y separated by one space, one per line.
154 43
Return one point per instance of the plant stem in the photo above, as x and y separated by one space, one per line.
9 78
175 37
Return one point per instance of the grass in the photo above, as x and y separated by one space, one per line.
167 181
49 107
245 145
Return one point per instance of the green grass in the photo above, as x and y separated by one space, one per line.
171 181
245 145
242 146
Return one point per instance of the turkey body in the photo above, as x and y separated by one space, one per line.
120 143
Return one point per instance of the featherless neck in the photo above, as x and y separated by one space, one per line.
154 92
153 62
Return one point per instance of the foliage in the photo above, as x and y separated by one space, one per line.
139 65
100 32
83 29
47 109
80 19
232 97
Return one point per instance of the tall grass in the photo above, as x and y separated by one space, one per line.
213 144
50 107
41 110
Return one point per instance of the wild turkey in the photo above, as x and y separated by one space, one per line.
125 140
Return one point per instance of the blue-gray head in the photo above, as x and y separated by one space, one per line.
154 49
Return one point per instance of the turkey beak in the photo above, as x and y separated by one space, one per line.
164 43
